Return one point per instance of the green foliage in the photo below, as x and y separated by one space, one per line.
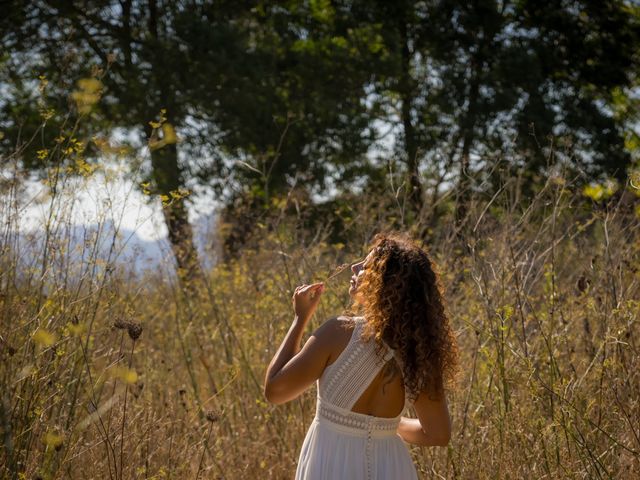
262 98
322 11
598 192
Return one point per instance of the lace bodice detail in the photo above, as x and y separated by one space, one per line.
345 380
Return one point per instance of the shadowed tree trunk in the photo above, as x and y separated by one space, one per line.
468 125
182 244
411 148
168 178
168 175
480 60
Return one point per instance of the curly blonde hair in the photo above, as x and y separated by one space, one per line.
401 300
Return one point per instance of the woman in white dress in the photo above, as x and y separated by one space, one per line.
400 352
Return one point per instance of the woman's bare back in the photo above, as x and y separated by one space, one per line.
385 396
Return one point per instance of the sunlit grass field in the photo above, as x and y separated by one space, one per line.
109 375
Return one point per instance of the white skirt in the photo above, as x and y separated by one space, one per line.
333 451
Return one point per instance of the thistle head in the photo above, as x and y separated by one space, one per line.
134 330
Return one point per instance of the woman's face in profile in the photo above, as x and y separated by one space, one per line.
358 270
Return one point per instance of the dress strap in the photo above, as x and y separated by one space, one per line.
344 381
390 352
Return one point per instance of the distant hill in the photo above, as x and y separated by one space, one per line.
129 251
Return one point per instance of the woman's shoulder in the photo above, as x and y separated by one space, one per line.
337 333
338 324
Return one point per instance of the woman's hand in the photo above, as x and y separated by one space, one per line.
292 370
305 300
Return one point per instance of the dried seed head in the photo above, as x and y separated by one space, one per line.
134 330
583 283
121 324
337 271
212 415
4 345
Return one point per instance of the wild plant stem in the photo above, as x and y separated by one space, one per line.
204 449
124 414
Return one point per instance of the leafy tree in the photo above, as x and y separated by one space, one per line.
258 98
135 47
294 109
473 82
293 114
263 96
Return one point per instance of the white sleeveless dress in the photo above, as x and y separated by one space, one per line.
342 444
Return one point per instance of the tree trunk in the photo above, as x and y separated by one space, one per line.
463 190
480 60
467 130
411 147
168 178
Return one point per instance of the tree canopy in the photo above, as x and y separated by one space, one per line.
255 98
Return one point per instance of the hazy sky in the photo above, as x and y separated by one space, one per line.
103 196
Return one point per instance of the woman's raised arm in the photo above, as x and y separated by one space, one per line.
292 370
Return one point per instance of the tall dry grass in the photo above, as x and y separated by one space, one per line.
109 375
